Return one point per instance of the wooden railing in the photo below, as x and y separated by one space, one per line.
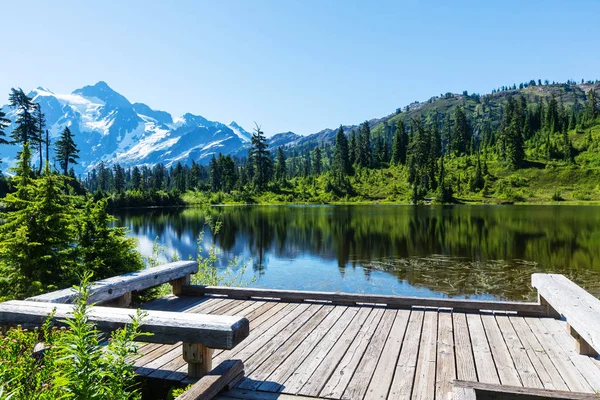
349 299
119 288
562 297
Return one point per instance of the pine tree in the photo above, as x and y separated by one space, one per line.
592 105
119 174
365 156
260 159
461 134
318 161
136 178
39 134
26 125
353 149
215 174
280 166
477 181
341 157
4 122
66 150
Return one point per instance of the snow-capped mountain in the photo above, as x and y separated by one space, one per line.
109 128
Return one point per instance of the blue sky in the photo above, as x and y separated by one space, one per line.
300 65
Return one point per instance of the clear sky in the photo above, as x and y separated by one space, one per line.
299 65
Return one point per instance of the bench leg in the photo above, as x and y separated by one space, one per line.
581 345
550 311
199 359
178 284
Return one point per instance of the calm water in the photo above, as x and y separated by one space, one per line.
458 251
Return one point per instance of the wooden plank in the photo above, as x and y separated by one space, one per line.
166 327
523 364
484 362
402 384
424 386
583 363
287 367
168 370
351 320
446 369
259 395
337 382
547 372
580 308
384 373
459 393
390 301
115 287
358 385
286 348
502 358
572 377
504 392
216 380
465 363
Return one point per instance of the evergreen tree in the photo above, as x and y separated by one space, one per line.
39 134
136 179
461 134
353 149
477 181
4 122
119 177
318 161
66 150
512 136
260 159
592 105
215 174
26 125
341 157
365 156
280 166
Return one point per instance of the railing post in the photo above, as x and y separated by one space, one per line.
550 311
199 359
178 284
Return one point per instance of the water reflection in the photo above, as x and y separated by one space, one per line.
464 251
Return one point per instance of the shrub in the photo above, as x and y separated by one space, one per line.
557 196
73 364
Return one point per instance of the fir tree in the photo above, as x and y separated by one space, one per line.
136 178
4 122
318 162
26 125
260 159
215 174
280 166
461 134
341 158
353 149
592 105
66 150
365 156
39 134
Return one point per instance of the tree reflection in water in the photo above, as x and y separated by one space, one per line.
449 250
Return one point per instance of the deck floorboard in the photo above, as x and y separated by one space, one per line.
298 351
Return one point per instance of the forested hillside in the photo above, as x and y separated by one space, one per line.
535 142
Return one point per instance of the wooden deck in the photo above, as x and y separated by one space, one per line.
318 350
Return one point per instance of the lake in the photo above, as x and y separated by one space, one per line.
485 252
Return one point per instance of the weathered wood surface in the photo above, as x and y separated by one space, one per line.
486 391
216 380
580 308
214 331
354 299
372 352
118 286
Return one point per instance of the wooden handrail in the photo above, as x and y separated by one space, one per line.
561 296
120 287
530 309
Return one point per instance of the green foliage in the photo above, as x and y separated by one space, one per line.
75 364
66 150
48 236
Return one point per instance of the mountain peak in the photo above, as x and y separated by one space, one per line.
102 91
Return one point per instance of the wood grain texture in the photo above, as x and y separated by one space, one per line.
580 308
390 301
214 331
506 392
115 287
211 384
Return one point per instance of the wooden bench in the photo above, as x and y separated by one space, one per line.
561 297
200 333
119 288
